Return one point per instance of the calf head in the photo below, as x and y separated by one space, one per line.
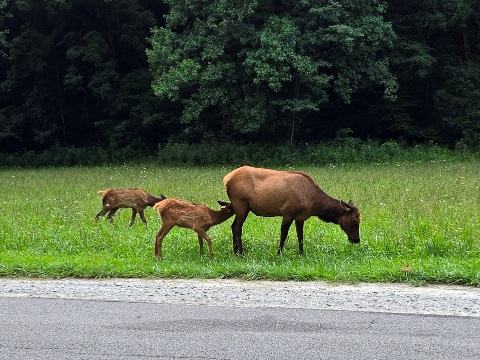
350 222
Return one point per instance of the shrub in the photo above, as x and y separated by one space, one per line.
343 150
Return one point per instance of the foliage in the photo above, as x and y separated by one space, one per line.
343 150
47 227
3 31
75 74
251 64
459 101
436 62
71 70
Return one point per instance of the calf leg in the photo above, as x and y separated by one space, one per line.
111 214
203 235
200 244
159 239
101 213
132 219
142 216
299 227
286 222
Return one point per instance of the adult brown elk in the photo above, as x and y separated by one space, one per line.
290 194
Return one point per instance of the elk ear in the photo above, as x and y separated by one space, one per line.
225 204
346 206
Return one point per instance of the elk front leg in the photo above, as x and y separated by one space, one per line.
159 239
299 227
203 235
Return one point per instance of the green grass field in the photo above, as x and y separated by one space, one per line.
420 223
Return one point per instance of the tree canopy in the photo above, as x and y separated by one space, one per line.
140 73
266 66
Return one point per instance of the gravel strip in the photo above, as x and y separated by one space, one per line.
429 300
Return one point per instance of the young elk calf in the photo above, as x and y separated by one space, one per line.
184 214
136 199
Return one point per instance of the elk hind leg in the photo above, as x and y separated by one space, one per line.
142 216
134 215
299 227
111 214
237 226
101 213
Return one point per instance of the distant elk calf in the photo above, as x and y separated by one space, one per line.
184 214
136 199
292 195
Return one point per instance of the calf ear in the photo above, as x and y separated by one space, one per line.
345 205
225 204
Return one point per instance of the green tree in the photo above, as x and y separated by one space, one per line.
458 102
457 99
70 66
3 31
264 67
436 60
25 100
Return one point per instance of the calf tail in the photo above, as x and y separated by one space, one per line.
103 192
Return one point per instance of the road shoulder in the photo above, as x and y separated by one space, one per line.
392 298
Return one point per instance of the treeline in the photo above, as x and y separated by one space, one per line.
336 152
75 73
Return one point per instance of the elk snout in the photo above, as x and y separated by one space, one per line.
354 239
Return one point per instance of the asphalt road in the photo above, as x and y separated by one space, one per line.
53 328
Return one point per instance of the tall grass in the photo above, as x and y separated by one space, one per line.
420 224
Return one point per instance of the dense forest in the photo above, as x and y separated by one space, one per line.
117 73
